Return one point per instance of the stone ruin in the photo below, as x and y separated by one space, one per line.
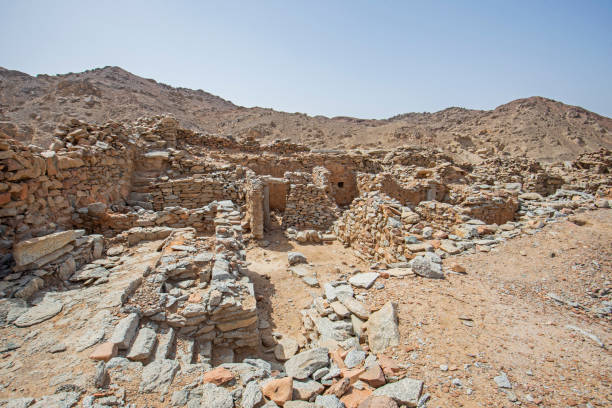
68 213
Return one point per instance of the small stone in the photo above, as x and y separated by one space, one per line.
354 358
502 381
406 391
104 351
295 258
382 328
285 349
302 365
378 401
279 390
328 401
217 397
252 395
374 376
364 280
218 376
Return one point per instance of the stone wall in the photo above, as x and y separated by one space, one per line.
40 191
195 192
309 206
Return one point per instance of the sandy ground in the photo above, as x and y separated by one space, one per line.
515 328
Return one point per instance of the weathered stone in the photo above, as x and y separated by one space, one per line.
426 267
382 328
354 358
328 401
143 345
279 390
295 258
125 330
355 306
406 391
104 352
364 280
39 313
218 376
28 251
306 390
286 348
216 397
252 395
378 401
302 365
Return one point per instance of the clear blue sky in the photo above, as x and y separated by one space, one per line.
371 59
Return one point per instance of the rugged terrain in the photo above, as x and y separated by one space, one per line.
145 262
534 127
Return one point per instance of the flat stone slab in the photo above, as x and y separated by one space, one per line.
406 391
143 345
302 365
158 376
364 280
28 251
39 313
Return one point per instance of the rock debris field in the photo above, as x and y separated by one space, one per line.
143 264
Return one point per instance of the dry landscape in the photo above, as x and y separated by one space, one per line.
163 247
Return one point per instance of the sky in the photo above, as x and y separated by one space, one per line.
369 59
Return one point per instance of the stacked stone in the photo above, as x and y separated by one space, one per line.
195 192
199 295
492 207
308 206
375 226
40 190
410 192
96 217
52 258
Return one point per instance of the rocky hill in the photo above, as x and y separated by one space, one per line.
536 127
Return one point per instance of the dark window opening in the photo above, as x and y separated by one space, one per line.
341 184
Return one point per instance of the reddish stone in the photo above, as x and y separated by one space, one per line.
388 365
458 268
218 376
194 298
435 243
338 358
5 198
374 376
354 397
279 390
339 388
352 375
104 351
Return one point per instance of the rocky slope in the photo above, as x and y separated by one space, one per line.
536 127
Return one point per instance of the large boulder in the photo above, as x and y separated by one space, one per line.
383 331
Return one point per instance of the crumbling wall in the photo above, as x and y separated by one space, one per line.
410 193
198 290
309 206
40 191
195 192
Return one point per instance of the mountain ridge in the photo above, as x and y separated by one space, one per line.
536 127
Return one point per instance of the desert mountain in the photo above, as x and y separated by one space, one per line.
536 127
